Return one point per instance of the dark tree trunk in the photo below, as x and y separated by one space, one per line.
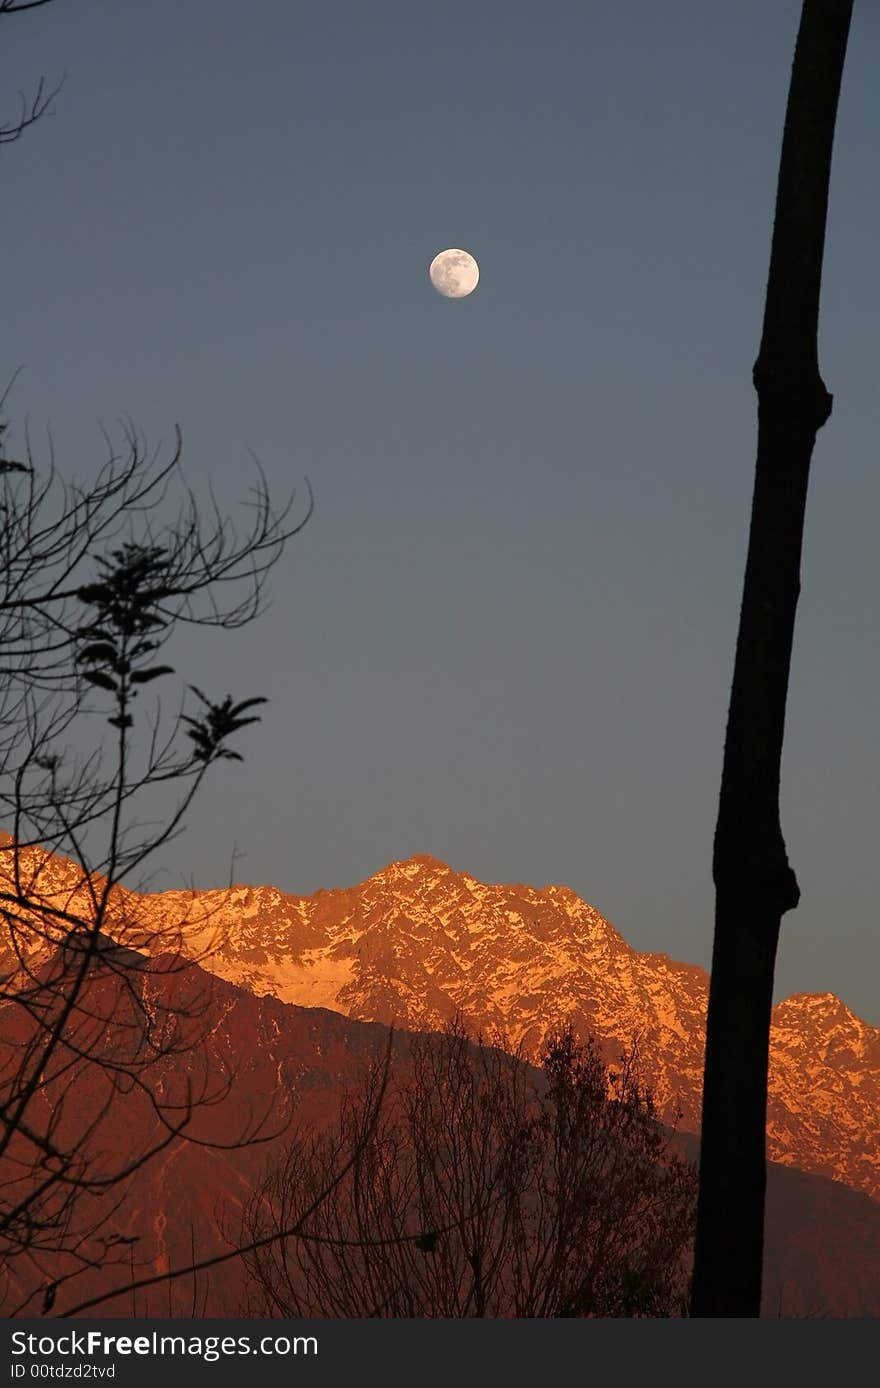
754 884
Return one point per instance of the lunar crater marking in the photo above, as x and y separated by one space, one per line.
454 273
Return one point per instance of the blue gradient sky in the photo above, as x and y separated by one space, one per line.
506 636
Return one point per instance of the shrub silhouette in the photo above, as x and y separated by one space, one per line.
482 1188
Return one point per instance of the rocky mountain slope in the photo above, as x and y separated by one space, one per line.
254 1062
418 941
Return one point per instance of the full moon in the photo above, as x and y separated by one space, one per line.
454 274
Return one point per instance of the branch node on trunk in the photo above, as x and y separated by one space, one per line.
797 392
769 879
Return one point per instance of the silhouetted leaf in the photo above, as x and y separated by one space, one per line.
103 681
94 593
144 676
248 703
218 722
98 650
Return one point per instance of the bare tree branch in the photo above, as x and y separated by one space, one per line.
479 1192
95 579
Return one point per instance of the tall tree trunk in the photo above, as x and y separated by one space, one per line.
754 884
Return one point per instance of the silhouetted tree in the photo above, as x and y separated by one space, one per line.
95 580
754 883
480 1189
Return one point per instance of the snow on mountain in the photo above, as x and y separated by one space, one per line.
418 941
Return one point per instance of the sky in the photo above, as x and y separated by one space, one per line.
505 636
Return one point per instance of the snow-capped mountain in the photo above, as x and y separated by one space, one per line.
823 1239
418 941
415 943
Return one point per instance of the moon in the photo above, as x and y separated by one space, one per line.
454 274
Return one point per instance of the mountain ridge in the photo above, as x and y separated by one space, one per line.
418 942
823 1238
